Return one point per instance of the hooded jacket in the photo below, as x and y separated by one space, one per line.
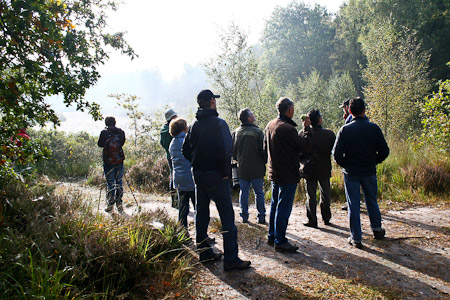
208 147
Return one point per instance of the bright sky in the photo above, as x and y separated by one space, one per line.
168 34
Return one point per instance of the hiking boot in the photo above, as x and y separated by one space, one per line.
109 208
270 241
286 247
262 222
379 234
214 257
354 244
310 224
239 264
327 223
120 208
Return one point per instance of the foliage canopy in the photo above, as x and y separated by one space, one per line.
50 47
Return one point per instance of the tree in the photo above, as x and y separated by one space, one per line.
436 117
49 47
235 75
298 40
397 78
315 92
129 103
351 21
430 19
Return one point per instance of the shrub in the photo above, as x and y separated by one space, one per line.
54 247
72 155
433 178
151 174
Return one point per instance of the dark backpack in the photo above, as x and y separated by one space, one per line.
308 162
113 153
307 166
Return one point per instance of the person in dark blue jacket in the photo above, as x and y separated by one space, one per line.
208 147
360 146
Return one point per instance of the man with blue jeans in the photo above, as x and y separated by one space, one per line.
283 146
360 146
111 140
208 147
251 160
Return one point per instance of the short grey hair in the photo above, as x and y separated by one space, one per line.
283 105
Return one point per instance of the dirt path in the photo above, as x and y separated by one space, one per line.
413 262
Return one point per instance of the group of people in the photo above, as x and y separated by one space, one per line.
200 158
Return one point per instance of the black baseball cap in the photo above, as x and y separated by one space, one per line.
206 95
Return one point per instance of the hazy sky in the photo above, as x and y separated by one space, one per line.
168 34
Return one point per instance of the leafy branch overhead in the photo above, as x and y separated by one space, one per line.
51 47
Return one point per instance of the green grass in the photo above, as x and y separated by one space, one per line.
55 247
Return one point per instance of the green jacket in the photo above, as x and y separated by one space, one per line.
165 139
248 150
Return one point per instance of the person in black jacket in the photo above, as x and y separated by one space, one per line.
111 140
359 147
322 142
207 146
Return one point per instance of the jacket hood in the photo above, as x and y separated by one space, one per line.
205 112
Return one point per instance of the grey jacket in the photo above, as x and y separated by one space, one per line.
182 174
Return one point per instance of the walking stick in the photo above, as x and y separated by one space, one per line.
128 184
99 198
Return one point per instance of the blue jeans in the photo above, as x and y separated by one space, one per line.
352 193
114 174
280 210
221 195
257 185
183 205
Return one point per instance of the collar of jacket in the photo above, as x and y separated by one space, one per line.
204 112
181 135
248 125
113 129
364 118
287 120
318 127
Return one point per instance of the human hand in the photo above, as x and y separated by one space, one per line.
306 121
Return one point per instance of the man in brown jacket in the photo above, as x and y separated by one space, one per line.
283 146
322 142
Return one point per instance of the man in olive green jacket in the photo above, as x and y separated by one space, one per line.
165 139
248 151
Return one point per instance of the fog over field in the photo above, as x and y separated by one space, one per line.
172 46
